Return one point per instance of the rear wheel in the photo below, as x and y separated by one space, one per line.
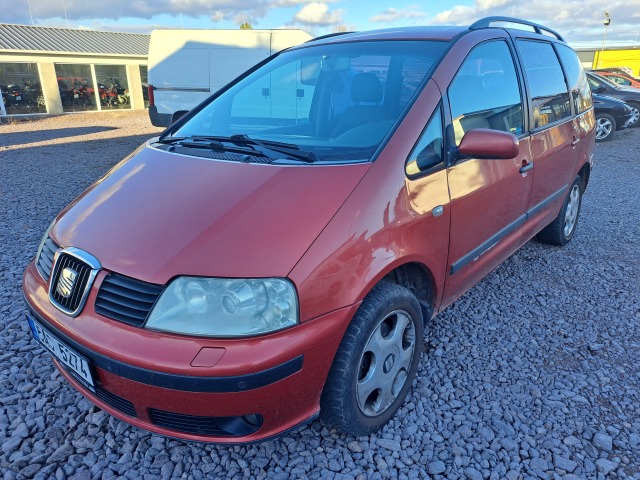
376 362
605 127
561 230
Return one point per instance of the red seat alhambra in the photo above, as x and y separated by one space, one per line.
276 253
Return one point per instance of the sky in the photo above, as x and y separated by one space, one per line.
577 20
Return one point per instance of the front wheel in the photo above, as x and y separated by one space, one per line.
605 127
376 362
561 230
634 121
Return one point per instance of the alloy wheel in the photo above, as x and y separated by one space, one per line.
603 128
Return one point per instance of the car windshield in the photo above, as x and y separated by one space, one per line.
337 101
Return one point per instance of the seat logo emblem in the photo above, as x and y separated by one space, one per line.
66 282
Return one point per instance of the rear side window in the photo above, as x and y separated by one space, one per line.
485 92
577 79
549 91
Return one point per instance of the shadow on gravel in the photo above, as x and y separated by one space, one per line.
21 138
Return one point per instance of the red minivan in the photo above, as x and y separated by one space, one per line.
277 252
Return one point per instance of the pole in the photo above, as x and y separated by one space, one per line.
30 14
64 6
607 21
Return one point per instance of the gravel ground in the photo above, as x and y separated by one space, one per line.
532 374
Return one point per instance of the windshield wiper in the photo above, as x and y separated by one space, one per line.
290 149
210 143
218 143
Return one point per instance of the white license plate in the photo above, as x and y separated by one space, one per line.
77 363
18 98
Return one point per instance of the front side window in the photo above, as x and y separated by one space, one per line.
485 92
427 154
337 101
577 79
549 93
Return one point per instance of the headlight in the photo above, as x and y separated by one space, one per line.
219 307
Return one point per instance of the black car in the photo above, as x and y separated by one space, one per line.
611 115
630 96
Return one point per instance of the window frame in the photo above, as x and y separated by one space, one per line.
452 154
532 128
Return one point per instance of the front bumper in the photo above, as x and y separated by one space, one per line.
254 388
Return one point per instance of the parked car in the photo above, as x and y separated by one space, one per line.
631 96
611 115
267 260
619 78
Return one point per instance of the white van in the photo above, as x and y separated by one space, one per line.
186 66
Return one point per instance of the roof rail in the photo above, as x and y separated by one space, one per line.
487 21
328 35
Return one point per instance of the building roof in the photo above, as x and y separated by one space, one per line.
27 38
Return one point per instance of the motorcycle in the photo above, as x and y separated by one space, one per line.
107 97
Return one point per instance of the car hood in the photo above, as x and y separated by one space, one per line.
158 214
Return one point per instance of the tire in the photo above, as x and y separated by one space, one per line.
363 390
605 127
561 230
636 115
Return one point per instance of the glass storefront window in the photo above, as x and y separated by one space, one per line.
144 79
113 86
75 84
21 88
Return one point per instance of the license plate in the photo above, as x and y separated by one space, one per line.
75 95
77 363
18 97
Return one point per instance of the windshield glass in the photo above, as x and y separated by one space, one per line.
336 101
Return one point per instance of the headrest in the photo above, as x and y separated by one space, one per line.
366 87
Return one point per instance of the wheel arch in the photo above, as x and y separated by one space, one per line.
584 174
418 279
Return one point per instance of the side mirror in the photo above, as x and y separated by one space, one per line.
485 143
601 89
178 115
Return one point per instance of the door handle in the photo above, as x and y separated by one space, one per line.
526 168
575 141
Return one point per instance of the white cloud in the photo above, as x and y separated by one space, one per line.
318 14
576 20
393 15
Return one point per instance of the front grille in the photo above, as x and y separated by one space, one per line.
69 292
126 299
44 262
119 403
210 426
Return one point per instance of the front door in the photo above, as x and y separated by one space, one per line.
488 196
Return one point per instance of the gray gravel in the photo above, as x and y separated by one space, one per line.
534 373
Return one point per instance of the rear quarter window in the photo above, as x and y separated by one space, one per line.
577 78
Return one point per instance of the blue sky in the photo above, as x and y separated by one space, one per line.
577 20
